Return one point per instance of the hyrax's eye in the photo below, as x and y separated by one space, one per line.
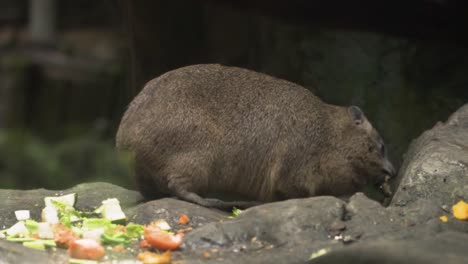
382 149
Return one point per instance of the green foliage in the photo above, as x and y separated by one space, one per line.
27 161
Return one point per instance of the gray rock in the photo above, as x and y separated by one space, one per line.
448 247
171 209
16 253
358 231
436 164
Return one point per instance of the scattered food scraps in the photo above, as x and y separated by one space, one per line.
443 218
153 258
184 219
161 239
460 210
319 253
86 249
85 234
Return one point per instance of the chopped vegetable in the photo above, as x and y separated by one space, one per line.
144 244
31 225
81 261
443 218
20 239
44 230
17 229
162 240
49 242
235 212
134 230
95 223
153 258
86 249
161 224
319 253
111 210
68 199
36 244
50 215
184 219
84 234
22 215
119 248
64 236
94 234
460 210
115 239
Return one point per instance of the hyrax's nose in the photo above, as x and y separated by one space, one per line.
389 169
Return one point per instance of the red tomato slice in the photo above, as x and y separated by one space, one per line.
63 236
162 240
86 249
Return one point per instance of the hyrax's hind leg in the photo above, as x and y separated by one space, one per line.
190 173
150 186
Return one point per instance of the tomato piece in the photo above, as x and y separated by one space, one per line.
144 244
63 236
162 240
184 219
86 249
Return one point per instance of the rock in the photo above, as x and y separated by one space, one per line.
330 229
171 209
448 247
436 164
16 253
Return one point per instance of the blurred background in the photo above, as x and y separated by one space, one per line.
68 69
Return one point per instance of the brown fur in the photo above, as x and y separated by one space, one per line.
211 128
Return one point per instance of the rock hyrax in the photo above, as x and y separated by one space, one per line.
214 129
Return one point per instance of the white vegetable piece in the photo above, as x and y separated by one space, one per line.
17 229
68 199
94 234
162 224
50 215
45 231
111 210
2 235
22 215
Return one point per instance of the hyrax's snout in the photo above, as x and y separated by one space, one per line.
388 172
388 169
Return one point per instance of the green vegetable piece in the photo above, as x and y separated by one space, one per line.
94 223
67 199
319 253
49 243
32 226
115 239
81 261
235 212
134 230
20 239
37 244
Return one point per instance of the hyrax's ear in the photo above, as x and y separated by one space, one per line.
356 114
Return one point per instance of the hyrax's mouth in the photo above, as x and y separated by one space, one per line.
384 179
385 186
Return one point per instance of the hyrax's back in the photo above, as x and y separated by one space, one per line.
211 128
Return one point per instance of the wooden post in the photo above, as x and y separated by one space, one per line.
42 21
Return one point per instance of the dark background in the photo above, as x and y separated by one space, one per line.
64 86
